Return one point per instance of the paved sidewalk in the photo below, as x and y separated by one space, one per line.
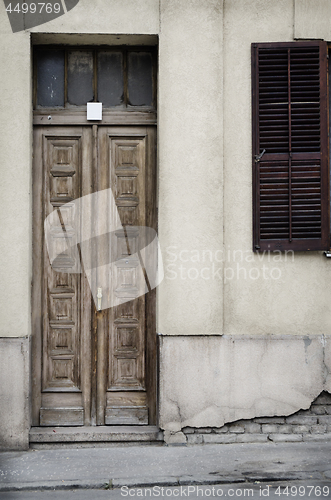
143 465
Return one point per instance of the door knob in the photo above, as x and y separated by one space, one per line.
99 297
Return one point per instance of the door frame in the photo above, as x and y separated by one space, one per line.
70 119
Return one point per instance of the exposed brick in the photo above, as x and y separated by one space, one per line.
319 410
303 412
318 429
317 437
282 438
221 430
270 420
253 428
252 438
322 399
286 429
238 429
268 428
219 438
188 430
300 429
309 425
324 419
301 420
194 439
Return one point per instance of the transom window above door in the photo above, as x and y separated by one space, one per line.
118 77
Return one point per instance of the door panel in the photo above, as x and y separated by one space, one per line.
122 331
62 170
89 367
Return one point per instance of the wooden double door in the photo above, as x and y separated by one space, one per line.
92 367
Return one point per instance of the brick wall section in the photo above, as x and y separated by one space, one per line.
305 425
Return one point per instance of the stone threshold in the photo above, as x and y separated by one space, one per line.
97 434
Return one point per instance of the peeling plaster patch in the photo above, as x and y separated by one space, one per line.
313 424
209 381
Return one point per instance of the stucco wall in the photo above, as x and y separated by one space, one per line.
191 191
312 19
107 16
271 360
190 164
14 393
277 293
15 181
205 215
223 379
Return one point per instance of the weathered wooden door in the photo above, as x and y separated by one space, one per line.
92 367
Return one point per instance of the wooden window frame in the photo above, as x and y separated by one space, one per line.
124 49
292 243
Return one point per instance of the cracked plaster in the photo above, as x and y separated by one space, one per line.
209 381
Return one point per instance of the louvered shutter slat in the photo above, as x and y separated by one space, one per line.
290 181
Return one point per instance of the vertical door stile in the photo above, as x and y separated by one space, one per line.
150 335
93 280
87 183
102 223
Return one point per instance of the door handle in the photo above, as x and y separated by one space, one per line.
99 297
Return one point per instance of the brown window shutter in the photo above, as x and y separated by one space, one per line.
290 124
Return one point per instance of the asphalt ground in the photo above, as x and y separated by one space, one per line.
120 471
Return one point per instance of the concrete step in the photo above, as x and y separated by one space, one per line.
97 434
